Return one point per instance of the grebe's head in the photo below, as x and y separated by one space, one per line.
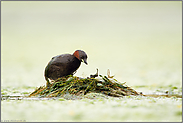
81 55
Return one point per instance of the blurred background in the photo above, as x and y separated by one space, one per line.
140 42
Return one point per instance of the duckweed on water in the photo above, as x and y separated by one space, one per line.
81 86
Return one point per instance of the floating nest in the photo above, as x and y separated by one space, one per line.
81 86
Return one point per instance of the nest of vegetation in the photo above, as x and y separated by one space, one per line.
81 86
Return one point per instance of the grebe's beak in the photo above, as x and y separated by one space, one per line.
84 60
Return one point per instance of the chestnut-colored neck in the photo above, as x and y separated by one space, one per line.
76 54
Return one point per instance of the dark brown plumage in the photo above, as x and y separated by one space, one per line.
63 65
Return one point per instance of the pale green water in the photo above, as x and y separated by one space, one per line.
140 42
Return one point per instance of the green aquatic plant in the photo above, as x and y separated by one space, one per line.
81 86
